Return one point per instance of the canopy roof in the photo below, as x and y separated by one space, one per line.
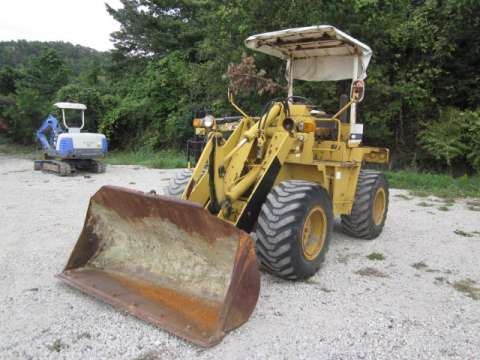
69 105
317 53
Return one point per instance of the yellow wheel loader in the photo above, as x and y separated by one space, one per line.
265 197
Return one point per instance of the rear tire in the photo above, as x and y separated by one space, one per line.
294 229
370 207
178 183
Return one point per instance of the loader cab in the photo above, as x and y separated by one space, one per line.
322 53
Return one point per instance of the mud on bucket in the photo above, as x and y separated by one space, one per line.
166 261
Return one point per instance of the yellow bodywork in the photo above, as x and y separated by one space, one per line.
233 177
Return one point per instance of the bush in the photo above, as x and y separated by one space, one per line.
454 138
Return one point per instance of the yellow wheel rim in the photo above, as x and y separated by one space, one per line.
314 233
379 203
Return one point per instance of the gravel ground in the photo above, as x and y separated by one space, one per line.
421 302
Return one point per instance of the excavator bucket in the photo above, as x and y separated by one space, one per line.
167 261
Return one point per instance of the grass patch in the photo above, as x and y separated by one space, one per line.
371 272
425 184
376 256
467 287
444 208
162 159
7 147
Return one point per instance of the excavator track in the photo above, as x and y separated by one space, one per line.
61 168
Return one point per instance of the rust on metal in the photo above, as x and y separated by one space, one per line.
166 261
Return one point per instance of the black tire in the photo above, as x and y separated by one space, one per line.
361 223
280 229
178 183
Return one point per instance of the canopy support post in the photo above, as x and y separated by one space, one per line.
290 76
353 109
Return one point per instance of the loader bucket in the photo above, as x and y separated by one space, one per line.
166 261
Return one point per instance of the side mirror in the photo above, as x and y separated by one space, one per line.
357 91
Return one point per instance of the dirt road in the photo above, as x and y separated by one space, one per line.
422 301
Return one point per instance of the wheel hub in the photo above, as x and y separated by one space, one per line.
379 203
314 233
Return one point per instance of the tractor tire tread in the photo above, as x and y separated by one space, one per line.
359 223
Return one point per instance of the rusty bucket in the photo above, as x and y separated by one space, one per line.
167 261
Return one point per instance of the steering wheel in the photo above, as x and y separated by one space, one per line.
299 100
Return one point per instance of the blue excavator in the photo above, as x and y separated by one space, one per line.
66 149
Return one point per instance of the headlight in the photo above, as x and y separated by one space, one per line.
208 121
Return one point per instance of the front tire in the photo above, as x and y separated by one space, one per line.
370 206
294 229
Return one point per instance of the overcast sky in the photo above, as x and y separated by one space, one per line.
83 22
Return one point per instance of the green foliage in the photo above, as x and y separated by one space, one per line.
44 74
170 59
33 75
455 136
435 184
97 103
77 59
8 77
376 256
156 109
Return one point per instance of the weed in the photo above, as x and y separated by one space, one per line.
57 346
403 196
324 289
444 208
474 208
343 259
463 233
420 193
424 204
375 256
467 287
419 265
84 335
149 356
371 272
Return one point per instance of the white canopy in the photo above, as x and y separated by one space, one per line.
316 53
68 105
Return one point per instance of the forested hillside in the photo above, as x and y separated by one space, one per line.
171 58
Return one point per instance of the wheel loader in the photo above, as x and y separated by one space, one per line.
266 197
